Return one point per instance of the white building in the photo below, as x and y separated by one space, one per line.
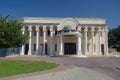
65 36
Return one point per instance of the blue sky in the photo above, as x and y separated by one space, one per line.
108 9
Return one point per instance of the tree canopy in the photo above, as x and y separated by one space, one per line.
10 33
114 37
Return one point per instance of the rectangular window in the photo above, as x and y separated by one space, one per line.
34 33
101 34
27 33
48 32
41 46
55 32
55 47
34 47
102 49
41 32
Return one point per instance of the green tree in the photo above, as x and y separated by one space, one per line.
10 33
3 25
114 37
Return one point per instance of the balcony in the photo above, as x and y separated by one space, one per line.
69 32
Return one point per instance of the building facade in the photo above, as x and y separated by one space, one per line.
65 36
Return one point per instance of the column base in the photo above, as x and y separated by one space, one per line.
60 53
79 53
29 53
86 53
99 53
92 53
43 53
36 52
106 54
51 54
22 53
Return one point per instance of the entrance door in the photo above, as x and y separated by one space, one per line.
102 49
70 48
26 48
45 49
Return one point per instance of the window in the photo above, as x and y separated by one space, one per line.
41 46
27 33
41 33
94 33
34 33
87 34
102 49
34 47
55 47
48 32
101 34
55 32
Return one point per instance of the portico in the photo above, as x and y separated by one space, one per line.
55 36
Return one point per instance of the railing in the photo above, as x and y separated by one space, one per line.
68 31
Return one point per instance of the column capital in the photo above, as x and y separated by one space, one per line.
92 28
23 28
79 35
51 29
79 28
29 28
44 28
106 29
37 28
99 29
86 29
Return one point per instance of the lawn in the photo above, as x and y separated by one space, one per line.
15 67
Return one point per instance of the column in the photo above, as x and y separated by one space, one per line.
51 41
44 39
61 46
92 31
37 39
106 40
99 39
30 39
79 45
86 30
58 44
22 48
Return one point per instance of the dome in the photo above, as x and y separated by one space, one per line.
68 27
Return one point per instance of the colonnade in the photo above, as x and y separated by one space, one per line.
83 30
37 39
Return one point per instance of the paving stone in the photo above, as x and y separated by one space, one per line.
77 73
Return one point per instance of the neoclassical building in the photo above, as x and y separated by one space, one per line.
65 36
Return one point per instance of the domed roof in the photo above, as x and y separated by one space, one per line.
68 27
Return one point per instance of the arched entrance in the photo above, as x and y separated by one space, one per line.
69 37
69 44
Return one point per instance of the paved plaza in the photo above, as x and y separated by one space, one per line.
73 68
